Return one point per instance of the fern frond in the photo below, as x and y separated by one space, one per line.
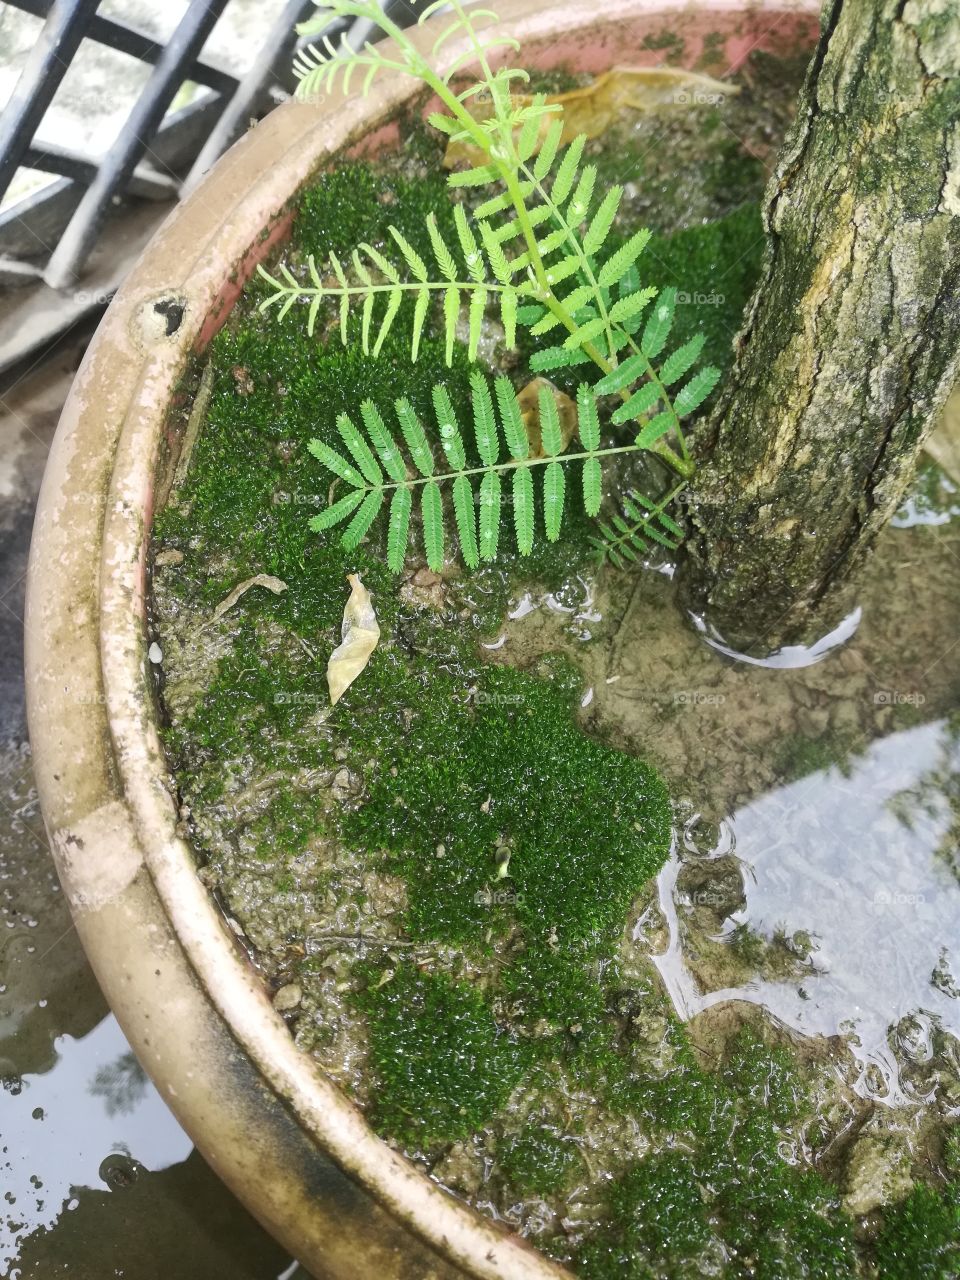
380 472
647 521
390 289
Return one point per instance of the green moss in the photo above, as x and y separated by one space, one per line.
539 1160
440 1064
724 1188
921 1237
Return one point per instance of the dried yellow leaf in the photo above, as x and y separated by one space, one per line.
529 401
596 107
358 639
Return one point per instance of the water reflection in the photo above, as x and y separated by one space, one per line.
59 1126
859 863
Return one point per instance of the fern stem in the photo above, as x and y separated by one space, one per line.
655 379
574 241
513 465
312 291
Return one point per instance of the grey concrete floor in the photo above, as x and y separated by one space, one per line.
96 1177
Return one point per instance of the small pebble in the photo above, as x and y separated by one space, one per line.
169 557
287 997
155 654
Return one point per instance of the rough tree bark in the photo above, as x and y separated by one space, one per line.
851 343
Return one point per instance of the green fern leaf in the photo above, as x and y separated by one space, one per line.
431 508
366 321
336 512
623 375
586 333
544 325
548 151
563 269
508 317
550 434
495 254
468 244
419 316
418 268
657 329
588 420
556 358
696 391
368 511
523 509
655 428
641 401
478 177
359 450
401 506
415 437
529 134
445 124
497 204
554 486
563 182
448 268
484 420
360 268
629 306
490 500
388 269
508 231
451 314
466 518
683 359
576 298
450 439
514 431
619 262
336 463
393 306
580 200
552 242
383 442
602 221
478 305
592 486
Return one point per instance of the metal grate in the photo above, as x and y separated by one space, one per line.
157 155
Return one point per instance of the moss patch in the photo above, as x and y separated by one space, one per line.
442 1065
726 1192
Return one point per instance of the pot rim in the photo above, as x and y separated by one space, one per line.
212 235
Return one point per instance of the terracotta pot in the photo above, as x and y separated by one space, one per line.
291 1147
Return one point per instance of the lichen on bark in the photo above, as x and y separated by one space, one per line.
851 342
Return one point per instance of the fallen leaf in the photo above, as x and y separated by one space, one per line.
276 585
529 401
359 637
596 107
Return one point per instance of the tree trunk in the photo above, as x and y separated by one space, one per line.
851 343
